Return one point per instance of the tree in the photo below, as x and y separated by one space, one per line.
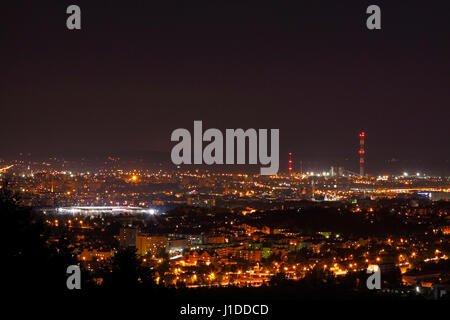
28 262
127 272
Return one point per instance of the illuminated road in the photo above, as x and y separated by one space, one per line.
6 168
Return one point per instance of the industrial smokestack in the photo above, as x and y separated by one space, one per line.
361 153
290 163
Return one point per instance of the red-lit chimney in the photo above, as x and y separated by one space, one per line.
361 154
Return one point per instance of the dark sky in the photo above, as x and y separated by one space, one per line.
138 70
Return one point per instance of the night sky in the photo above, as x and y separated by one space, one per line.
138 70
